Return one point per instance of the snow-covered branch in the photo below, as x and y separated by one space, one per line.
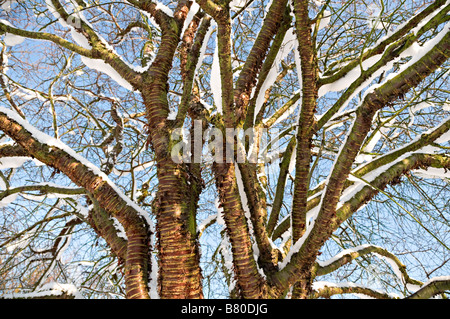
324 289
51 290
348 255
432 288
357 75
54 153
370 171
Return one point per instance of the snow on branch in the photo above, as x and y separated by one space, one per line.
425 60
244 202
45 148
51 290
348 255
45 190
104 58
432 287
349 72
378 62
372 170
328 289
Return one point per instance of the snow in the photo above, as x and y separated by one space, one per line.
13 161
51 141
436 279
319 2
6 6
269 81
350 191
49 289
192 12
119 229
444 138
238 4
415 51
202 226
53 11
101 66
228 261
393 265
298 65
297 246
8 200
12 39
244 202
204 47
325 21
417 28
21 242
220 219
342 254
446 105
224 245
164 8
352 76
289 43
216 82
81 40
318 285
380 132
431 172
27 94
153 283
50 195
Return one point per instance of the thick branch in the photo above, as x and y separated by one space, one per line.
433 287
248 75
100 51
305 132
380 48
55 154
381 97
390 53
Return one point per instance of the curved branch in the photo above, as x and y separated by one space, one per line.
55 154
248 75
380 48
431 288
348 255
420 142
327 290
394 88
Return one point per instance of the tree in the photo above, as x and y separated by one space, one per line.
285 139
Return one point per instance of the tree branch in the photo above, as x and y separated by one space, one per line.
327 290
348 255
432 288
326 220
55 154
248 75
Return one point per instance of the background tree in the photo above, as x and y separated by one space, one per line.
117 122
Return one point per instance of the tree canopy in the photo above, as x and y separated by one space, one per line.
224 149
